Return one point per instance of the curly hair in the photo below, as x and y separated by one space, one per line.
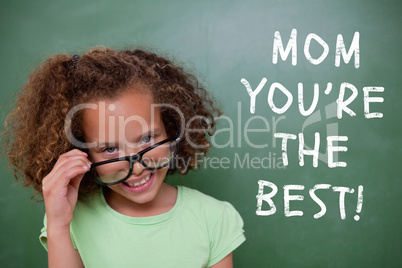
35 129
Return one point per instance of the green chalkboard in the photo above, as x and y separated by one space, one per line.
295 215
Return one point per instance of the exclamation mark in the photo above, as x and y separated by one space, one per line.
359 202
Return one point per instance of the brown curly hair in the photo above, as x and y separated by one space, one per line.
34 130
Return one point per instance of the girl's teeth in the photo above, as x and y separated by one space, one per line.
136 184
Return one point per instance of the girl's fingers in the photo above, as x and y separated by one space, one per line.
65 171
69 160
69 169
75 182
69 156
75 151
60 186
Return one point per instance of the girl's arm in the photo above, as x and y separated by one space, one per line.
61 252
226 262
60 193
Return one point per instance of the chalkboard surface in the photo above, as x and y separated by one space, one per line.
330 199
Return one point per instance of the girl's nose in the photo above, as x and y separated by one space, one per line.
138 168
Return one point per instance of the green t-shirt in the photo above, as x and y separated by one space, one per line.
198 231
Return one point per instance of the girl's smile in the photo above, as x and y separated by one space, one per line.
142 127
139 184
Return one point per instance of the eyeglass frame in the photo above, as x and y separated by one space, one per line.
132 159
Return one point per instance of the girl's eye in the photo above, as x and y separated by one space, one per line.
110 150
146 139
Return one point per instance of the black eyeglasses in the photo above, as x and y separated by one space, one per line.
117 170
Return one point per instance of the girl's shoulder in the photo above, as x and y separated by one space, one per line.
219 220
195 197
196 202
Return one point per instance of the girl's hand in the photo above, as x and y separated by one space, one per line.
60 188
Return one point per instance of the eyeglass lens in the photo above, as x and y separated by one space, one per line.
155 158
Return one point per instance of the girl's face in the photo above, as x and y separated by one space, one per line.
122 127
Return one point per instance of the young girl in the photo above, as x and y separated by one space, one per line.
96 135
